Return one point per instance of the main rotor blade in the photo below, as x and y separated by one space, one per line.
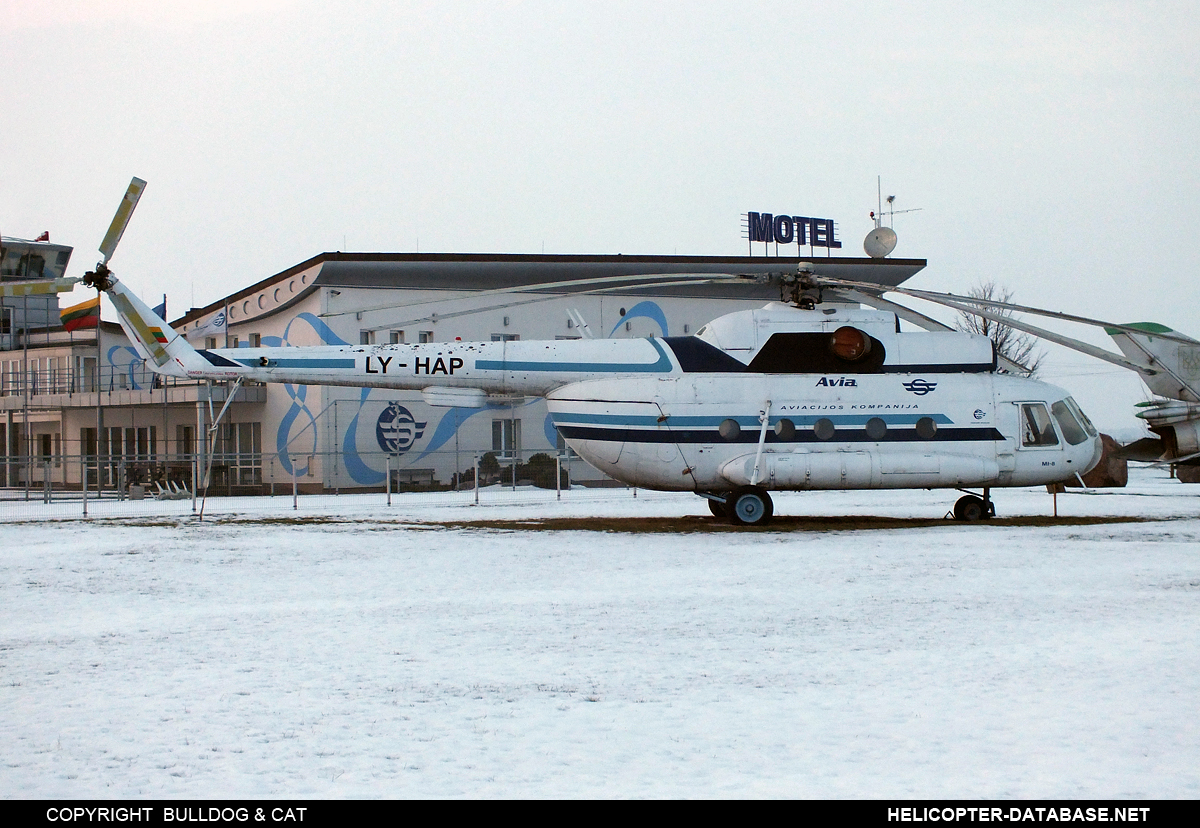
39 288
121 219
992 303
1050 336
685 278
437 317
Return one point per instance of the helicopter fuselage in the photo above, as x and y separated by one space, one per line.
775 398
927 430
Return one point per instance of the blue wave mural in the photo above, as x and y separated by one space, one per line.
643 310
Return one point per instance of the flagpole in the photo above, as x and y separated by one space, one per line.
99 405
25 371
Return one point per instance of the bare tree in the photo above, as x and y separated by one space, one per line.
1018 346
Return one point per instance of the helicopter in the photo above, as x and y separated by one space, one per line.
811 392
786 397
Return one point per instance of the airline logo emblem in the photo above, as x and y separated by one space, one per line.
920 387
396 429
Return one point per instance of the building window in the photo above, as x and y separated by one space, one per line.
396 337
233 341
425 336
503 337
255 340
185 439
239 450
366 337
506 437
210 342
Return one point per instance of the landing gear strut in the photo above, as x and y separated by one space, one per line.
972 507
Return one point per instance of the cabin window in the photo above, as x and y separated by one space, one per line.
1079 415
926 428
1036 428
824 429
785 429
1071 429
876 428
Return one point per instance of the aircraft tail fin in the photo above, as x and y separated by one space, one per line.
1179 361
165 351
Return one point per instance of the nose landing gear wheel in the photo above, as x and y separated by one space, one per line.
970 508
750 506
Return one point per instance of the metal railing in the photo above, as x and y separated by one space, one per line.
75 381
43 487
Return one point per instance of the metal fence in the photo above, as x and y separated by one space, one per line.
66 486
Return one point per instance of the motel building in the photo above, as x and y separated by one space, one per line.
83 399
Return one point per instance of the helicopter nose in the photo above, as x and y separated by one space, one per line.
1097 453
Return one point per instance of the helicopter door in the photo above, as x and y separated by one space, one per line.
1036 428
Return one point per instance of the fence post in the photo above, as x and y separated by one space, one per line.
83 480
476 478
387 464
295 502
557 476
46 481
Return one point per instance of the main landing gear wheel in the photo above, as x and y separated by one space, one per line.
718 509
971 508
750 506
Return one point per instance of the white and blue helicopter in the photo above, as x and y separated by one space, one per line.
802 394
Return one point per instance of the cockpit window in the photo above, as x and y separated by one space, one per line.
1072 430
1079 415
1036 428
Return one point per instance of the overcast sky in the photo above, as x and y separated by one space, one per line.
1051 146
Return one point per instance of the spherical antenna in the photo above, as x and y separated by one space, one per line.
880 242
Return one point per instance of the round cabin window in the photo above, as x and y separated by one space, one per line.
729 429
926 428
785 430
824 429
876 428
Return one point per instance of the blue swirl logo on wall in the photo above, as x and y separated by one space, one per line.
644 310
396 429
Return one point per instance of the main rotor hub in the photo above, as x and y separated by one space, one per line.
101 278
800 289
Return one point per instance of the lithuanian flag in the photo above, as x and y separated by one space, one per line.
84 315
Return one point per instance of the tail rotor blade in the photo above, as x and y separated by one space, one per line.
121 219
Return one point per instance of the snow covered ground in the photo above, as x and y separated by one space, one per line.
351 649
